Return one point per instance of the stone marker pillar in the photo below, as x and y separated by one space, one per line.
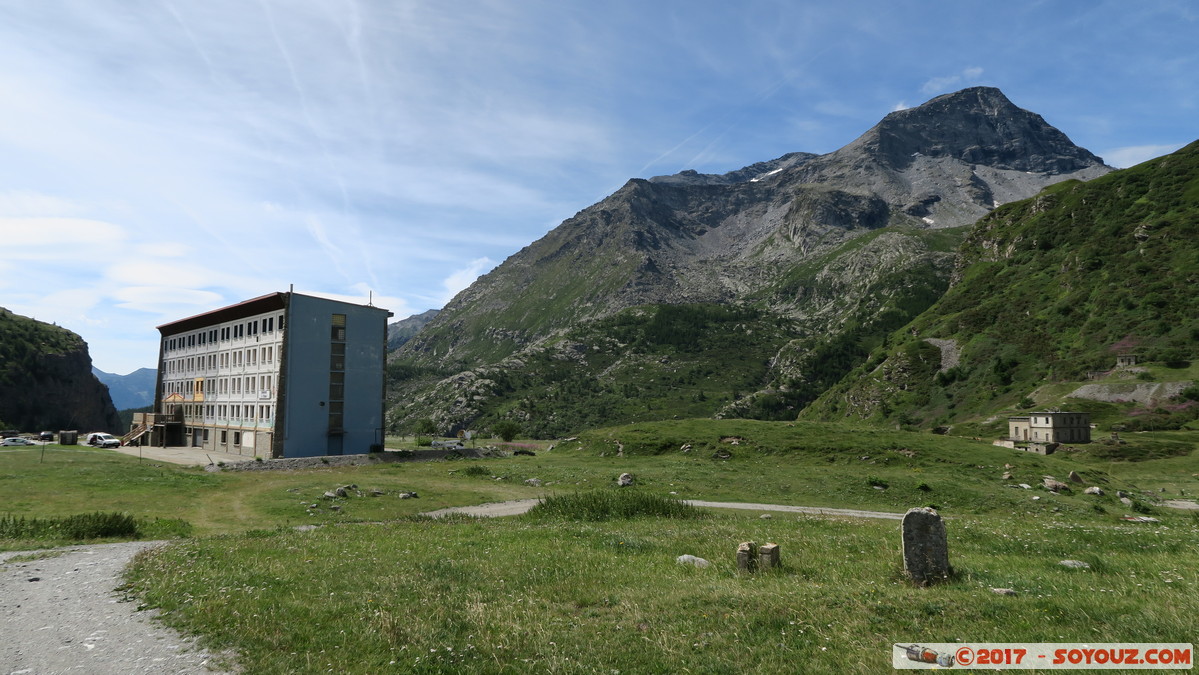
768 556
925 548
747 556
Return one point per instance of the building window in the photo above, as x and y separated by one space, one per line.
224 437
237 438
339 328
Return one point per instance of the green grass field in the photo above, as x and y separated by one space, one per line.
380 591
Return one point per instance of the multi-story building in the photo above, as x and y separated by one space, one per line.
281 375
1050 427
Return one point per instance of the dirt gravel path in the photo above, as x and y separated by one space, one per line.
61 612
519 506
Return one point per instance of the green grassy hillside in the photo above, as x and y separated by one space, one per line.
1049 291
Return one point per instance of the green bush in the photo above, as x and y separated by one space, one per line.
506 430
611 505
82 526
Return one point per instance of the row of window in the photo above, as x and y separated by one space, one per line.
224 436
222 385
238 412
233 359
1061 421
224 333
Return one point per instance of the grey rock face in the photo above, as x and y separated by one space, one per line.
975 126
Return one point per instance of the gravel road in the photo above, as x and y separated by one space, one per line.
62 614
519 506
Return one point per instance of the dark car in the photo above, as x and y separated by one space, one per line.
47 436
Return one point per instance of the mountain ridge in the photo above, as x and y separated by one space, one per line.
748 237
133 390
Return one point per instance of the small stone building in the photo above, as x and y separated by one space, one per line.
1050 427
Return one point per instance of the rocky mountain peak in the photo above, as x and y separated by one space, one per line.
978 125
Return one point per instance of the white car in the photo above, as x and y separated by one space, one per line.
103 440
17 440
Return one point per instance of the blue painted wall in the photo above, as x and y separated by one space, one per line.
306 376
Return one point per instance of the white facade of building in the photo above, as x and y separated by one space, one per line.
282 375
225 379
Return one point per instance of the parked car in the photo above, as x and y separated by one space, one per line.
103 440
47 436
17 440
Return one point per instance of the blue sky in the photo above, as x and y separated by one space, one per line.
161 158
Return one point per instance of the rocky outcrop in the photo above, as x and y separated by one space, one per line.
1144 393
46 380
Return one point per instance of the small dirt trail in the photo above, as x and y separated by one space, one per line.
62 613
519 506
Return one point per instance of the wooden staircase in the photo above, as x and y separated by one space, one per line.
136 433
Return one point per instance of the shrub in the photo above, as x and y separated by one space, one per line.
610 505
424 427
84 526
506 430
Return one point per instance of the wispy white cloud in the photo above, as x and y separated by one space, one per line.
1122 158
459 280
165 300
47 237
30 204
940 85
